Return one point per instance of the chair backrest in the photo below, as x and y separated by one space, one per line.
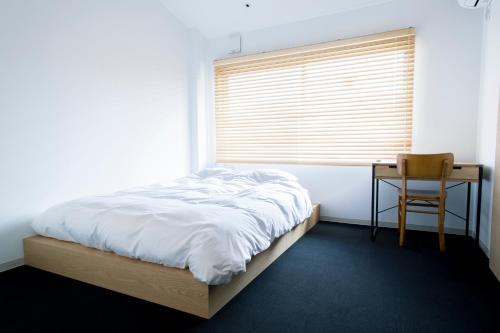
425 166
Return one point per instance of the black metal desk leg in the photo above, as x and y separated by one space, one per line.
467 214
478 213
376 205
372 235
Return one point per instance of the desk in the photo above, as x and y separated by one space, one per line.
463 173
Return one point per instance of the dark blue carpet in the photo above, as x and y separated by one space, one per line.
334 279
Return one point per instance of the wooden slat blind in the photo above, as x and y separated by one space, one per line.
343 102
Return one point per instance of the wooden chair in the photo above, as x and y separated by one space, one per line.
423 167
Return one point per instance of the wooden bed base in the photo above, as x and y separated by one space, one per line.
172 287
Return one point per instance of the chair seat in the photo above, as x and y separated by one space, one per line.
424 194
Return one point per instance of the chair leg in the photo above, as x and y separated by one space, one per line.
441 215
402 228
399 214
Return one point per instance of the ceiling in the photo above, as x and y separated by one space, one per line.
216 18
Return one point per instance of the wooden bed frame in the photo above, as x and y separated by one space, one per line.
172 287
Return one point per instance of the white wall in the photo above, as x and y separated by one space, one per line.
488 109
447 69
93 98
198 98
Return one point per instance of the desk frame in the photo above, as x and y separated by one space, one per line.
457 166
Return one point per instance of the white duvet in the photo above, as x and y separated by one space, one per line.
212 222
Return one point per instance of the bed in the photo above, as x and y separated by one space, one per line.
191 244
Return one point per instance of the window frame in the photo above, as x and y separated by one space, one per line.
314 48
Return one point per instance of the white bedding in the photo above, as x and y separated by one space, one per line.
212 222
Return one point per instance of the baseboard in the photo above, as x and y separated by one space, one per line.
11 264
394 225
454 231
386 224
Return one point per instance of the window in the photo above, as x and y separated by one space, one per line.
344 102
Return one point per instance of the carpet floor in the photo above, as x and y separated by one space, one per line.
334 279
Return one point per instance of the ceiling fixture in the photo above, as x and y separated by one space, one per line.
471 4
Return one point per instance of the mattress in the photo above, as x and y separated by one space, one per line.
211 222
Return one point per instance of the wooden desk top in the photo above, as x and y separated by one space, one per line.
462 172
456 164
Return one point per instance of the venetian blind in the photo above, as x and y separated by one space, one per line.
343 102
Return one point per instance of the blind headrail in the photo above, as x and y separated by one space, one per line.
316 47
